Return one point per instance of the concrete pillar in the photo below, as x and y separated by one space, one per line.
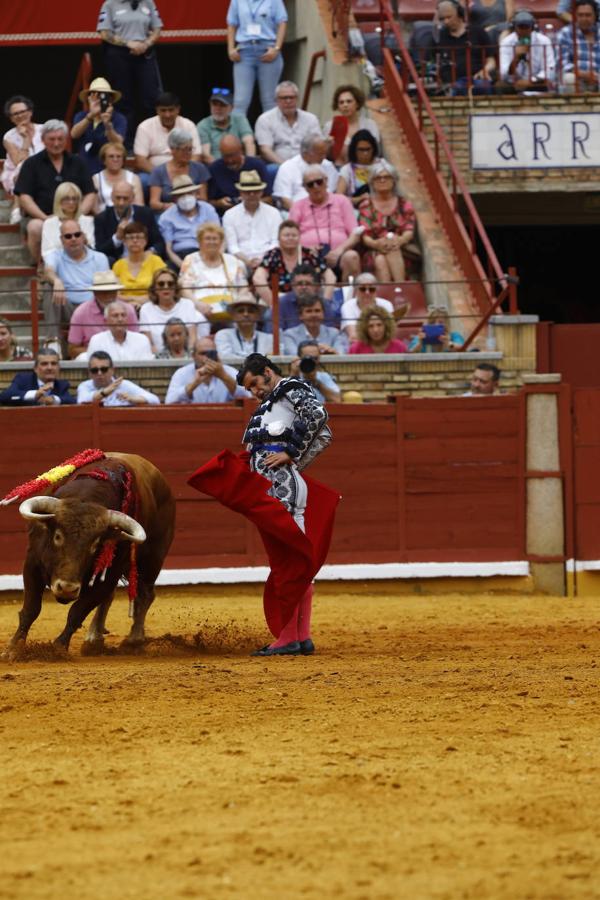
545 515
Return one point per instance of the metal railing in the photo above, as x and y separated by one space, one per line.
489 284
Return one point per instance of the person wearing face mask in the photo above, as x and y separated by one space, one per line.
179 224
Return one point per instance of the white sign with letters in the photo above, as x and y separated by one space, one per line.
535 141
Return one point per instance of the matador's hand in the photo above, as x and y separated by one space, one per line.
273 460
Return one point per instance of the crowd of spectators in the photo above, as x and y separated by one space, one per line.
173 254
499 46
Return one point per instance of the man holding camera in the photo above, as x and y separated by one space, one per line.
527 61
205 380
307 367
98 123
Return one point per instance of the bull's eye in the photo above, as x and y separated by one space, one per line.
59 538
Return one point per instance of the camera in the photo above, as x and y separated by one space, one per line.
308 364
104 101
210 354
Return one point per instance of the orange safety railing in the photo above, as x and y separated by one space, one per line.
489 284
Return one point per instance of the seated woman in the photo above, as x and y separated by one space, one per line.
175 341
363 152
67 205
376 329
112 156
165 303
282 261
97 123
181 163
389 224
210 277
435 335
136 270
365 296
21 141
9 349
348 101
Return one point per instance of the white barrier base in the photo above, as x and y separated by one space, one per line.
353 572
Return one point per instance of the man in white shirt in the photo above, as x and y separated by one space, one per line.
289 183
527 61
279 131
150 146
205 380
121 344
251 227
104 389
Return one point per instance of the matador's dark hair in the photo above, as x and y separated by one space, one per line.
255 364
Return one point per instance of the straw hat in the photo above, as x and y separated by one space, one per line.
250 181
183 184
100 86
105 281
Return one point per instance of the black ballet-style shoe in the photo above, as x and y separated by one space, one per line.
307 647
291 649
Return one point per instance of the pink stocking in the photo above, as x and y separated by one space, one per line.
304 614
288 633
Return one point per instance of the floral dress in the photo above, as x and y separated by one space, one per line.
274 264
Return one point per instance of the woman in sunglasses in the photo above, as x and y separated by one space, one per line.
135 271
165 303
388 222
67 205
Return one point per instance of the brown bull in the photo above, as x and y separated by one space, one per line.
69 529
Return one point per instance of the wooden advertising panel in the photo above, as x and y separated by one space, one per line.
421 480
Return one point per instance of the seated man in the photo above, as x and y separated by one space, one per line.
484 381
563 10
118 341
70 272
311 327
150 146
307 367
585 75
526 57
180 223
225 173
88 318
98 123
222 121
41 174
364 294
327 221
205 380
110 224
244 338
306 283
456 40
40 387
103 388
251 227
279 131
289 182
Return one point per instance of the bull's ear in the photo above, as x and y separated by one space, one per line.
40 508
129 528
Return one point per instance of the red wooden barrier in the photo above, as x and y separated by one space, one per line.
421 480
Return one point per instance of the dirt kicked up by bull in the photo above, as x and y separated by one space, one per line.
111 517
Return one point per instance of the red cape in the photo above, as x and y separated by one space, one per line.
294 557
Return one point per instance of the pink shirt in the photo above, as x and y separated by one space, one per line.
332 223
394 346
88 319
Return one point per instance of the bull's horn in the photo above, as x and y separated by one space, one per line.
131 529
40 507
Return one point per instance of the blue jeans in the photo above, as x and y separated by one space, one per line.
248 70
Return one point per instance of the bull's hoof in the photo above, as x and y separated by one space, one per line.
132 645
13 652
93 648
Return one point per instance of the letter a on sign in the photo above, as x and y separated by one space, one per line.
507 148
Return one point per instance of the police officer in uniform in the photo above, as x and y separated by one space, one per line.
130 29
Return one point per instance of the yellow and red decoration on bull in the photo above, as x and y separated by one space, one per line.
52 477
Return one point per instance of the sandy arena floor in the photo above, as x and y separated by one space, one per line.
453 752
